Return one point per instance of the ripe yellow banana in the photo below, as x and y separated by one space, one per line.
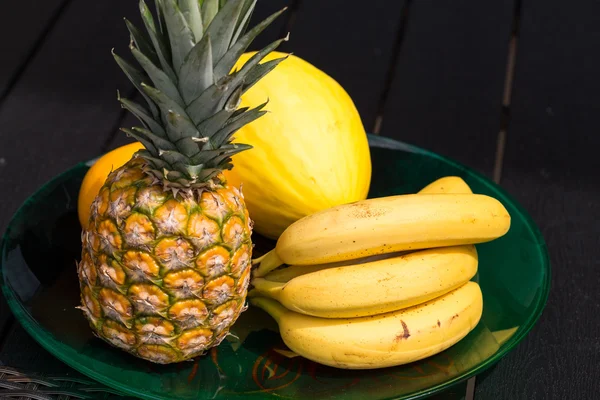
374 287
387 225
381 340
288 273
447 184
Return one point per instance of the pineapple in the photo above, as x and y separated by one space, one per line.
166 257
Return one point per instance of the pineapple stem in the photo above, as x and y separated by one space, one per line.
268 263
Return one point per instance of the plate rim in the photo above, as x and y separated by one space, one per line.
46 339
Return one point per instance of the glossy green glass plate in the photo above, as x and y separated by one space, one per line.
39 280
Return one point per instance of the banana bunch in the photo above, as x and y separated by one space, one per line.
380 282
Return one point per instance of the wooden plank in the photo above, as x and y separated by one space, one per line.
276 30
352 44
17 52
65 99
447 91
63 105
21 33
551 167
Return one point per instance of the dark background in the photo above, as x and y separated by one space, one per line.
508 87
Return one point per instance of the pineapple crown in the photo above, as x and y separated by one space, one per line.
190 90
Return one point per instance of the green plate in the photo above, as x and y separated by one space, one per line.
39 280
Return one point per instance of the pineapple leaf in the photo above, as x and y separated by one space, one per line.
196 73
243 22
234 100
142 42
180 126
227 62
159 78
137 78
222 27
207 174
173 157
191 11
240 77
180 35
193 170
157 162
239 111
188 147
173 175
142 139
209 10
157 39
218 160
142 114
203 156
211 125
159 143
162 26
258 56
258 72
229 129
176 126
207 103
237 116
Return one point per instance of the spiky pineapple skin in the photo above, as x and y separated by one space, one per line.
164 275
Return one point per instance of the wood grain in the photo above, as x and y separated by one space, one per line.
60 111
18 49
551 168
353 44
21 33
447 91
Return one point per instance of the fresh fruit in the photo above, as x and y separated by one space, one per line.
374 287
165 257
310 152
381 340
96 176
286 273
447 184
387 225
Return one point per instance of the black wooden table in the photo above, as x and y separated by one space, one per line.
509 87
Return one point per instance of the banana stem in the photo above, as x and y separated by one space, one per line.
267 288
270 306
268 263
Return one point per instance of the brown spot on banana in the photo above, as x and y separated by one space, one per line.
360 210
405 334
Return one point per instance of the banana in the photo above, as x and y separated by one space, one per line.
386 225
374 287
447 184
286 274
382 340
